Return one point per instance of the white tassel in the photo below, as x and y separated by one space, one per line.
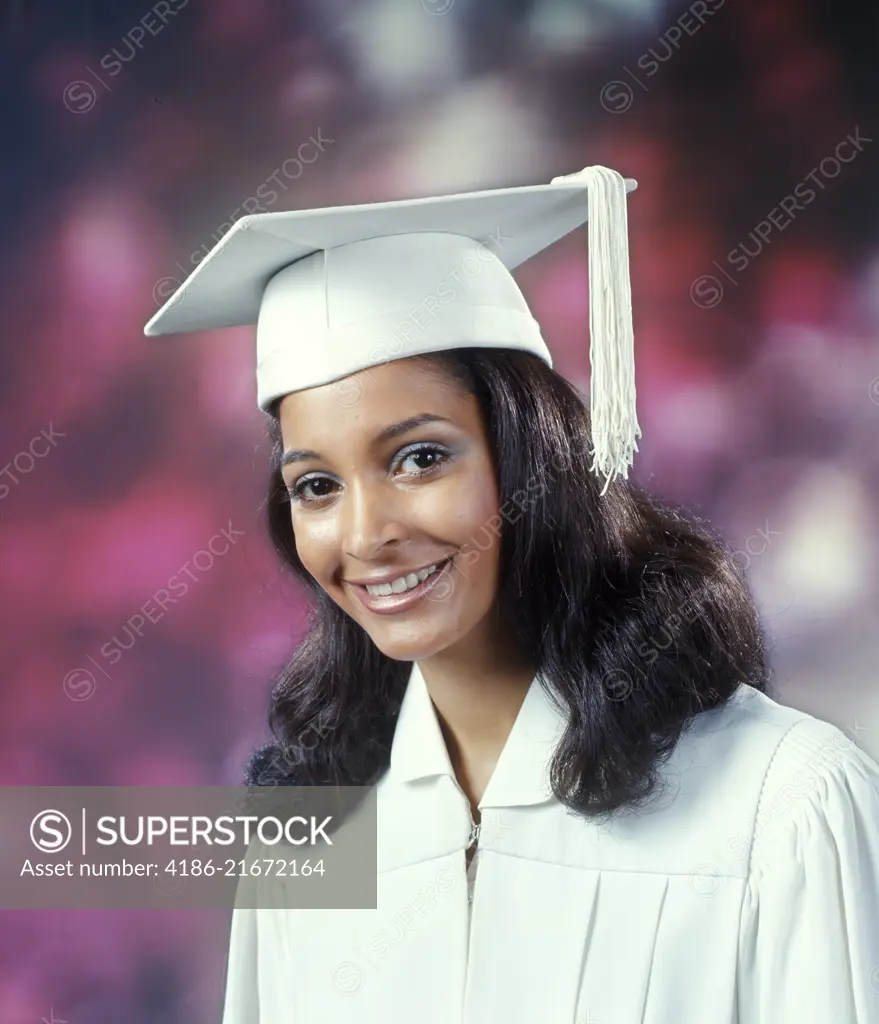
615 429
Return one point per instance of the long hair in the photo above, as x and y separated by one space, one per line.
636 615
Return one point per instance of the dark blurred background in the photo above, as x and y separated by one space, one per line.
133 136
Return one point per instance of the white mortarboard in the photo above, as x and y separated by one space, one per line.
335 291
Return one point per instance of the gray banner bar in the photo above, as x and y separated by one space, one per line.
142 847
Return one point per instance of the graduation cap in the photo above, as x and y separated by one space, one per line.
335 291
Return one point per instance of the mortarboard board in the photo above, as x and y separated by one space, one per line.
334 291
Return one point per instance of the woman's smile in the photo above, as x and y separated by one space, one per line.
391 598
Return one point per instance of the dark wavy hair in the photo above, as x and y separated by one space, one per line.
636 615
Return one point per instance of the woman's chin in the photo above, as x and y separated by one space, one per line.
410 648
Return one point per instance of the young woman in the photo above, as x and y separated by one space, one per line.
589 808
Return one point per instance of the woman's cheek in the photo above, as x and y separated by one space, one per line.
309 550
469 501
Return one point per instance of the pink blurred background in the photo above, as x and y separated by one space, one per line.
133 136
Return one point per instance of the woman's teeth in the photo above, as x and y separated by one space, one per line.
402 583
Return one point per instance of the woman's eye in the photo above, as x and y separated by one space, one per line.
301 493
424 458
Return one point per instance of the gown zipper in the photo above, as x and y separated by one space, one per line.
474 833
473 841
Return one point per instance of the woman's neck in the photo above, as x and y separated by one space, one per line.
477 689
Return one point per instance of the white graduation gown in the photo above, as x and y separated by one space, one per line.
749 894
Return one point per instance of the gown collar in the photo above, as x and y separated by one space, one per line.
521 775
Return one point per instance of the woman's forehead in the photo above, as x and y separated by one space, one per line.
366 402
368 391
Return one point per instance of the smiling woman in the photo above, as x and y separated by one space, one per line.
568 582
486 588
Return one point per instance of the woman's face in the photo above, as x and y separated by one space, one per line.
390 474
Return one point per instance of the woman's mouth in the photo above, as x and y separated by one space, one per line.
390 603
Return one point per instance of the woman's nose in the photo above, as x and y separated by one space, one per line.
370 519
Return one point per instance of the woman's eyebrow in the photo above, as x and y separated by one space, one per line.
394 430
